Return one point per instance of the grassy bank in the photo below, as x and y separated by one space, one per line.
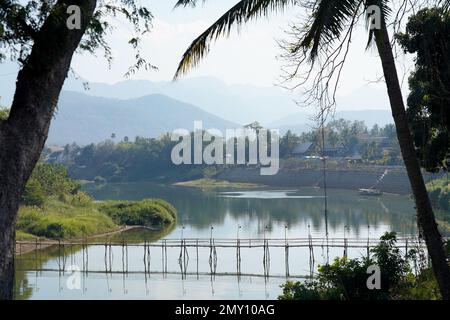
56 219
61 220
54 208
218 184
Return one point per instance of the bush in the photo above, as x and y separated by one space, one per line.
347 278
33 194
81 199
439 192
146 212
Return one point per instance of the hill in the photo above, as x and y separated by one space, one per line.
87 119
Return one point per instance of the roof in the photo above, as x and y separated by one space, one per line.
302 148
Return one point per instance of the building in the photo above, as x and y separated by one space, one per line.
303 149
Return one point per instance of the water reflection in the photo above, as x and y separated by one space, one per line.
273 208
161 274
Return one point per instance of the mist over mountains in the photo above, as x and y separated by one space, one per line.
86 119
144 108
237 103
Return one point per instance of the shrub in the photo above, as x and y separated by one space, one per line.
439 192
33 194
145 212
347 278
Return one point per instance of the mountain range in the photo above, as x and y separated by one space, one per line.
237 103
146 108
86 119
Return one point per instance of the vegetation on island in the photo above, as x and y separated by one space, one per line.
54 207
207 183
147 212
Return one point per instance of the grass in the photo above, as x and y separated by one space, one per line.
72 219
59 220
217 184
24 236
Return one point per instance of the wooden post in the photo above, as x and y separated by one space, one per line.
197 256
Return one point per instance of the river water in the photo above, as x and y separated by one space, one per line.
247 214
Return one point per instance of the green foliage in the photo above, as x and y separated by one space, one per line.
59 220
377 145
48 180
147 212
393 265
439 192
21 21
150 159
428 36
307 290
143 159
4 113
53 207
34 194
347 278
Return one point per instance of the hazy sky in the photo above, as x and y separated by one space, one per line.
247 57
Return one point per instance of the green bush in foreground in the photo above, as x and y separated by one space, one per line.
146 212
346 279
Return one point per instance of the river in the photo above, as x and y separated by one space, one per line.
255 214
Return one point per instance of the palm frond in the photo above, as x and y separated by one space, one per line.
239 14
185 3
329 18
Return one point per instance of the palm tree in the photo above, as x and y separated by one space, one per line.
329 21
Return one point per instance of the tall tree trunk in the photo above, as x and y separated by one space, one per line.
425 216
23 134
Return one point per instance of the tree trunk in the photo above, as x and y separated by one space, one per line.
23 134
425 216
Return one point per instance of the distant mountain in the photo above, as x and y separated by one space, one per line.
237 103
300 122
84 119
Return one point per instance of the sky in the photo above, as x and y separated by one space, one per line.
250 56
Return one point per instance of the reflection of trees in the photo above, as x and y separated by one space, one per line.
23 289
201 209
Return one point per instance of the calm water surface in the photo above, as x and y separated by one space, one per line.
259 213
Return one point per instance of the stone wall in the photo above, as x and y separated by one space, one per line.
394 182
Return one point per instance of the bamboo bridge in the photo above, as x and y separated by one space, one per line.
188 248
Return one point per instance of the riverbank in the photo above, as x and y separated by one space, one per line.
59 220
24 246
